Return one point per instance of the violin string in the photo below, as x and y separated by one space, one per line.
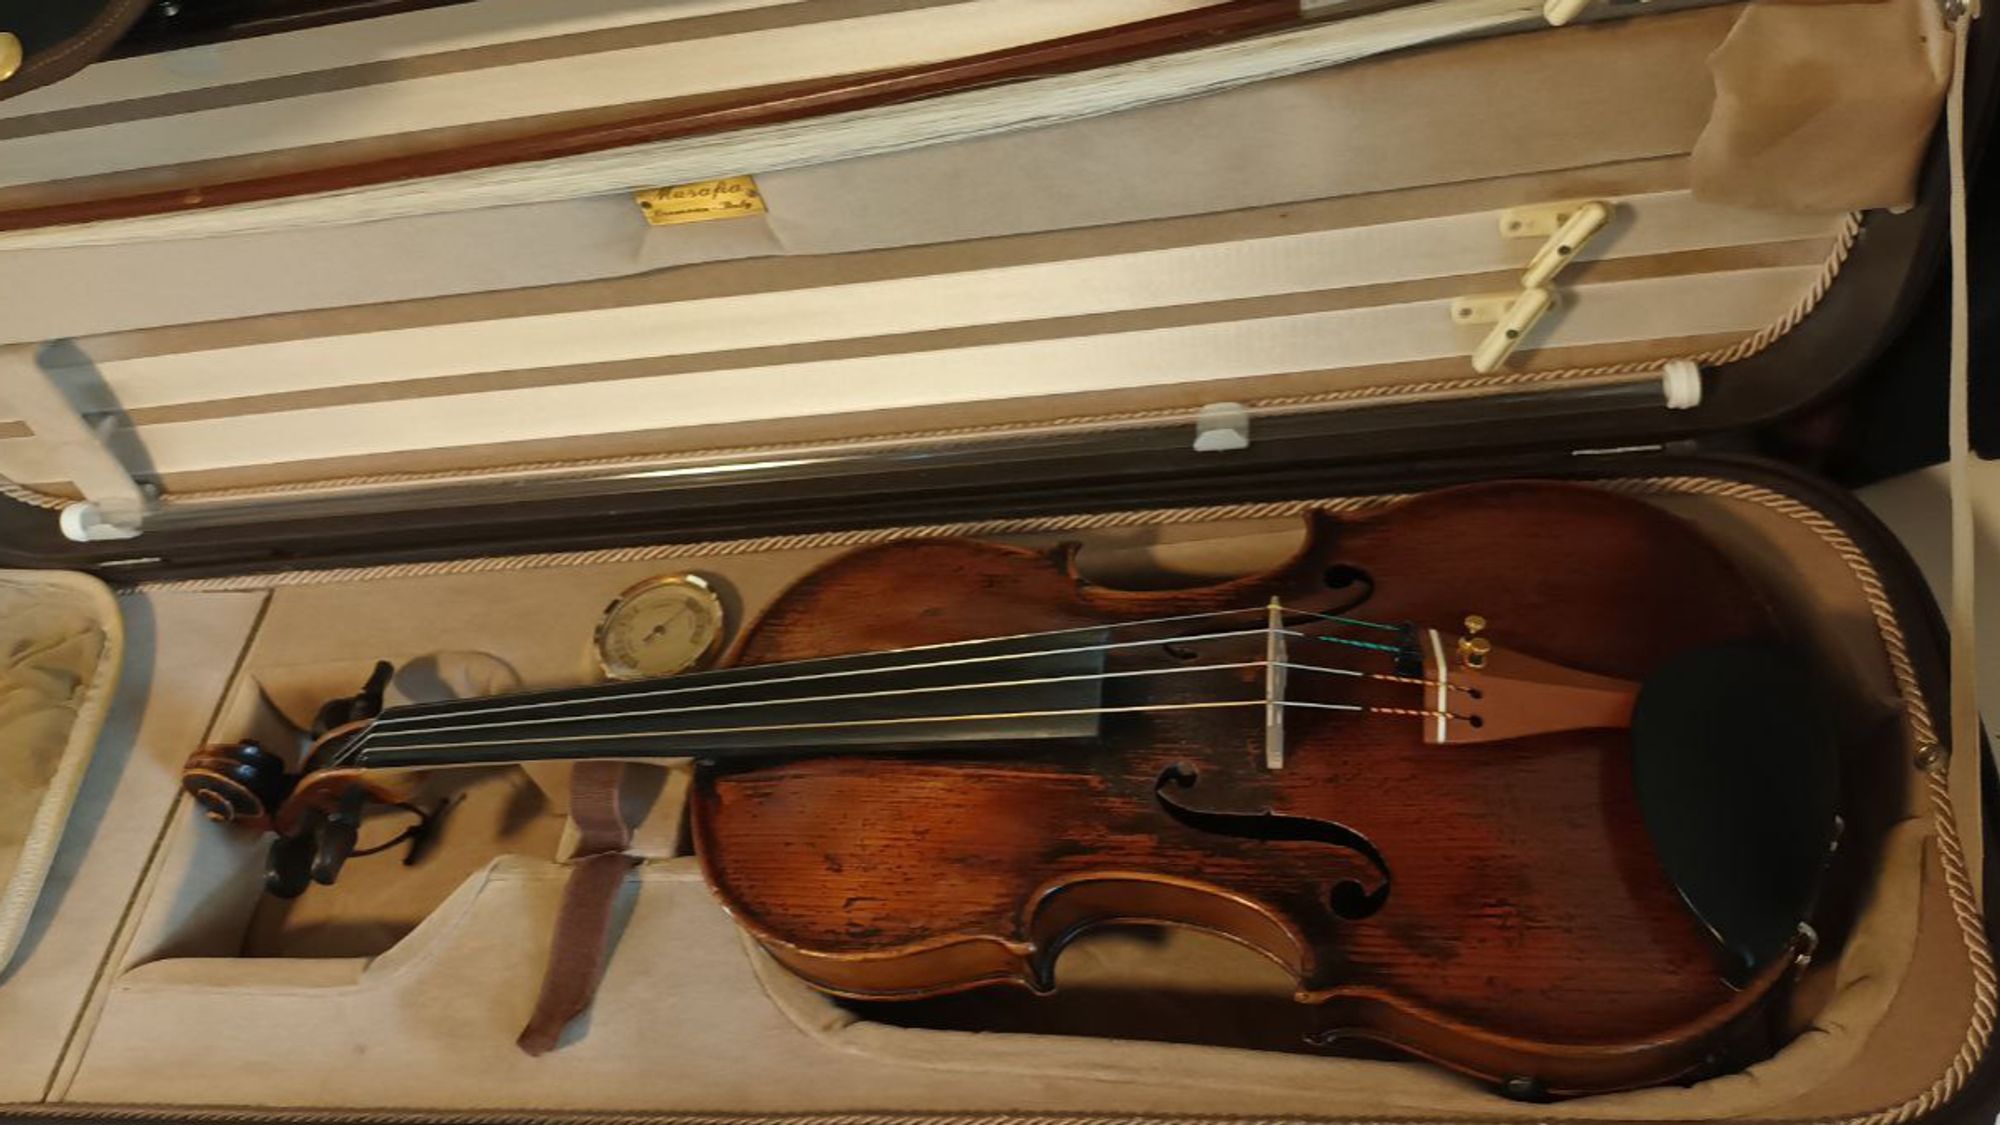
399 717
1419 681
359 747
846 696
902 720
1345 620
364 743
356 752
392 718
681 687
1373 646
432 721
1418 712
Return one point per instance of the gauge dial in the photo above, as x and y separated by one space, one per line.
672 623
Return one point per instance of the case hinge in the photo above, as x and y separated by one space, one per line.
1512 315
1564 228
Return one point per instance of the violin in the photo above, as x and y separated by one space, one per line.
1461 765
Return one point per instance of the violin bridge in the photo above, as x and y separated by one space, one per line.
1274 687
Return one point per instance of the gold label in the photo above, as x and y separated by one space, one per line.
698 203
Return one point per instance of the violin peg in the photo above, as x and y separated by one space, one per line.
364 704
288 866
335 842
337 836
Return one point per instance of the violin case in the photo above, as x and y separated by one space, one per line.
446 438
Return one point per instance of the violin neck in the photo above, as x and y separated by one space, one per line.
877 702
1019 691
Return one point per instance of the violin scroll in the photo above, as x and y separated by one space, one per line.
316 812
238 782
316 818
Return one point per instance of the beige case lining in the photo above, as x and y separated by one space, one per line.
62 643
431 1021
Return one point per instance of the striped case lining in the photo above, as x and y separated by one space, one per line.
1038 326
924 293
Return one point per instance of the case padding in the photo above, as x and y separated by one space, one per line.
692 1016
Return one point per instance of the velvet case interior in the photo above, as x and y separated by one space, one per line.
405 986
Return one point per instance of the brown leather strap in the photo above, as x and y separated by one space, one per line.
581 943
81 42
593 806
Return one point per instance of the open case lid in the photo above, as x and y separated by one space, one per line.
1214 265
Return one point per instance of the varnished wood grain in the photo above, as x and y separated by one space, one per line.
1530 932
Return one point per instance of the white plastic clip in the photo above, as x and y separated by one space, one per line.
1560 12
1221 426
1680 380
1512 315
114 504
84 522
1564 227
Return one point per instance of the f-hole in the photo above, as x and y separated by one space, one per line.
1357 583
1347 898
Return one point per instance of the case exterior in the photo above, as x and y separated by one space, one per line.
1399 447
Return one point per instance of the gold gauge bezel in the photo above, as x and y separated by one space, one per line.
706 595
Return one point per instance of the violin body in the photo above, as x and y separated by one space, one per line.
1479 824
1528 935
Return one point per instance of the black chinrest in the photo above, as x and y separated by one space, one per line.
1738 774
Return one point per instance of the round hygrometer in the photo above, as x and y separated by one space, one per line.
664 625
